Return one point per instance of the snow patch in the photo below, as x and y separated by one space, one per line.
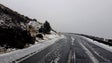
35 24
51 36
48 37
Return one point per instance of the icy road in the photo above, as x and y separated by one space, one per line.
72 49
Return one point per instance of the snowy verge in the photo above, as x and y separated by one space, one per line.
104 46
17 54
48 37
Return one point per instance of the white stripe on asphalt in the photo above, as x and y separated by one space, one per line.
72 40
69 57
90 54
74 57
73 44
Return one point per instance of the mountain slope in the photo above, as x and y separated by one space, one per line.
17 31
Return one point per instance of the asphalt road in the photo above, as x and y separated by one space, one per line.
73 49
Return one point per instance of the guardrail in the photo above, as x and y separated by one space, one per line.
98 39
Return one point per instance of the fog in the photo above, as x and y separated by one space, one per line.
93 17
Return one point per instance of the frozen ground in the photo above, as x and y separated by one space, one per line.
17 54
38 40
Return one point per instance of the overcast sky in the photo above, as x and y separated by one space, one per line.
93 17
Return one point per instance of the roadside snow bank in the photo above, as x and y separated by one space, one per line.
17 54
104 46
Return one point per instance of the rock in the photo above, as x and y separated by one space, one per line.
39 36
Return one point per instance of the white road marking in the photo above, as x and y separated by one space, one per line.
74 57
72 40
89 54
72 54
69 57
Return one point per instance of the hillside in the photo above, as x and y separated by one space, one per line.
19 31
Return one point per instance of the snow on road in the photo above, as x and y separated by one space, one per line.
89 54
72 40
104 46
17 54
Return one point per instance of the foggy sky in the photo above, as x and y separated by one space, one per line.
93 17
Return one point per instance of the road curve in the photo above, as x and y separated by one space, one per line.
73 49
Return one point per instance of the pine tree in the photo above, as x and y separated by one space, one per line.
46 28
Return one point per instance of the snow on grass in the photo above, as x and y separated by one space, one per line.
51 36
35 24
38 40
17 54
104 46
48 37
